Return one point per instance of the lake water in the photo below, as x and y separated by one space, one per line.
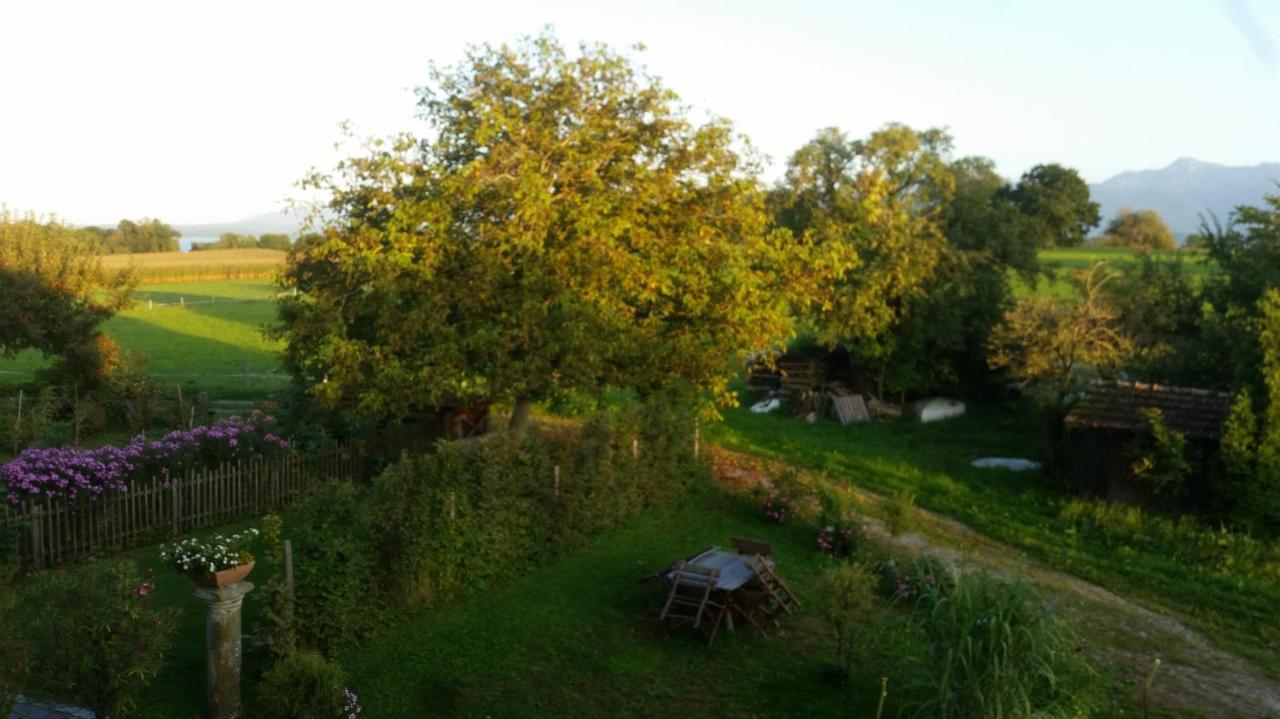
186 242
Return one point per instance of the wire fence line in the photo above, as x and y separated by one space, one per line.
183 301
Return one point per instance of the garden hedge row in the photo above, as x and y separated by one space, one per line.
475 512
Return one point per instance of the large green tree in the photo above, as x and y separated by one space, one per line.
940 345
55 295
868 213
1057 200
562 225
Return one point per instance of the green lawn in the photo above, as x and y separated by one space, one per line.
1060 264
572 638
1020 509
212 341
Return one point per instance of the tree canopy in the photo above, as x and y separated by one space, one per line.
1057 200
128 236
1139 230
870 212
55 296
563 226
1052 345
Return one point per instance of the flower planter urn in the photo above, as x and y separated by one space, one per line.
224 578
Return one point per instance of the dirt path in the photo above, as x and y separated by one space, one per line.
1195 678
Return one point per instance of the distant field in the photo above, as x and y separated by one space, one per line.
160 267
1062 263
202 334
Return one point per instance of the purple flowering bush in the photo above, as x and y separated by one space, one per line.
88 474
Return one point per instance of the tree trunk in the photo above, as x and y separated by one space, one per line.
520 414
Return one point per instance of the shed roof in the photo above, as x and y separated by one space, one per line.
1196 413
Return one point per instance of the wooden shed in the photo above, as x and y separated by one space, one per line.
1101 426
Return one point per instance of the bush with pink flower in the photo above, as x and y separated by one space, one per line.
775 509
840 540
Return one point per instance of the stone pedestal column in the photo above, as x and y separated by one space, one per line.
222 645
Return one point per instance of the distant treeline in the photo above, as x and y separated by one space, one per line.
145 235
233 241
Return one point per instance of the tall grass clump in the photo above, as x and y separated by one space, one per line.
992 650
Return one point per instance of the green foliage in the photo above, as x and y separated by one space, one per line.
275 241
899 510
55 296
302 686
1249 476
566 225
1160 459
336 574
868 212
233 241
847 602
940 344
1142 230
279 631
90 636
145 235
993 650
1053 346
1233 555
1057 201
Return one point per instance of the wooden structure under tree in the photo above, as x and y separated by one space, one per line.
1100 429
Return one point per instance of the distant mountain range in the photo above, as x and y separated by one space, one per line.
270 222
1186 189
1180 192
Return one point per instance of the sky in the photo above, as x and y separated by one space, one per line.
208 112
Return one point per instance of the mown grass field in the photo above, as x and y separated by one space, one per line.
205 335
1060 265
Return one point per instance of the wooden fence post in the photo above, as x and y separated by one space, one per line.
635 448
288 565
175 502
556 484
37 536
697 440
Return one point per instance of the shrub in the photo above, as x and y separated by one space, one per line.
305 686
90 636
430 528
899 512
774 509
993 650
840 540
278 631
1160 460
335 575
845 595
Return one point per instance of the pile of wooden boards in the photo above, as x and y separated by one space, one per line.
849 408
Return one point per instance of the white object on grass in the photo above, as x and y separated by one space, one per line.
766 406
938 409
1016 464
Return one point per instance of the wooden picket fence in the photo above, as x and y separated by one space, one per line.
52 530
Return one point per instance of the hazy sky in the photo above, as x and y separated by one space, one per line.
211 111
